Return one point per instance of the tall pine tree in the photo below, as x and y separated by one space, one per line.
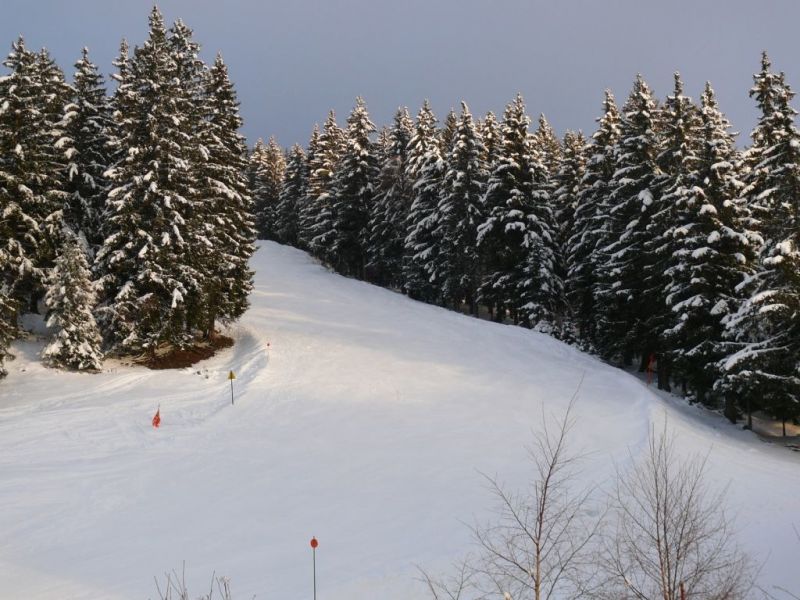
457 266
87 125
291 197
354 194
425 171
393 200
588 231
764 371
620 307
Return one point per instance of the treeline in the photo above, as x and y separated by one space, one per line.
127 216
656 241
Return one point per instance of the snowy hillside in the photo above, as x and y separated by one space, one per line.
365 423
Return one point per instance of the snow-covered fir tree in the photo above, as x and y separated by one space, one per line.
323 162
70 301
448 132
86 126
267 171
387 226
492 139
712 252
517 239
8 329
306 209
620 307
764 371
588 234
547 145
145 273
292 194
425 171
353 194
456 267
31 166
679 128
567 186
227 235
8 315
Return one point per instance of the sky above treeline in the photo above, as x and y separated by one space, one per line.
293 60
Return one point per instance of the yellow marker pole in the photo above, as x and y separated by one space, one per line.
231 377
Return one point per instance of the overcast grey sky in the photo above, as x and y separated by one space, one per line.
292 60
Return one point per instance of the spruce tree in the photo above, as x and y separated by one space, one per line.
87 126
447 133
425 171
492 139
680 130
712 252
456 266
620 307
306 209
323 164
8 318
8 329
227 236
145 272
517 239
764 371
548 146
31 166
291 197
353 194
590 217
70 301
567 186
268 169
387 225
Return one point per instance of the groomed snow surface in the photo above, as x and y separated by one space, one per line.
365 423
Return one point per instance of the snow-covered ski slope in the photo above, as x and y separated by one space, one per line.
365 423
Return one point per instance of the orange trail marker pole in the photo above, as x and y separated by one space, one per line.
314 544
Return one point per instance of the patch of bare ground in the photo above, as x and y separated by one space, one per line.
170 357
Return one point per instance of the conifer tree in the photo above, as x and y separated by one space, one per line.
87 125
268 169
70 301
8 330
517 239
492 139
620 309
306 209
354 194
8 318
548 145
227 236
712 251
448 132
323 163
590 218
425 171
567 184
764 371
679 127
30 168
387 225
292 194
459 210
144 272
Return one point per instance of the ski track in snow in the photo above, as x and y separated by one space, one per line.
367 423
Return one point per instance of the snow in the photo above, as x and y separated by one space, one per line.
363 423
